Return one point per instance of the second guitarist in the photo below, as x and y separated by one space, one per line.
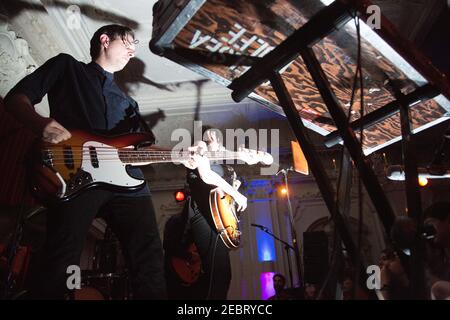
216 267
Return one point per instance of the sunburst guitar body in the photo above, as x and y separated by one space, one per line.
225 217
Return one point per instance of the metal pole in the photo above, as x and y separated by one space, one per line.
323 182
376 193
293 232
413 200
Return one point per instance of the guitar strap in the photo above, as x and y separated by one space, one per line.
143 125
142 122
188 213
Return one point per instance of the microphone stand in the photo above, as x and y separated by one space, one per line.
293 232
287 246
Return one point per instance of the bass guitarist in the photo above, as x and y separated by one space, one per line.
86 97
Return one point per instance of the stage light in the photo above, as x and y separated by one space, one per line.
299 159
179 196
423 181
397 173
283 190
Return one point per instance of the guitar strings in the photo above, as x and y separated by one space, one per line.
126 162
135 157
134 154
61 156
56 155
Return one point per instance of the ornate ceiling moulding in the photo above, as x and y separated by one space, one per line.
15 60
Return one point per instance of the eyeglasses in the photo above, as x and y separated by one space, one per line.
130 45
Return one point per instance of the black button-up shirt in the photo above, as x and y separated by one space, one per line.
83 96
200 190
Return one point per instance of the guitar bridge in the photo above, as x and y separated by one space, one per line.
47 158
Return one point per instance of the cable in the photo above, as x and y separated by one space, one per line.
212 265
360 191
358 72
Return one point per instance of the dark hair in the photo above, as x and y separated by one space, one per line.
280 276
112 31
206 128
389 252
403 232
438 210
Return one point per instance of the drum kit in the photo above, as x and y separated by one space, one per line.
104 281
103 286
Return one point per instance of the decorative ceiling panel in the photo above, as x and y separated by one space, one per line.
215 32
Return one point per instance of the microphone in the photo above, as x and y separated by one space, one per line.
285 171
259 226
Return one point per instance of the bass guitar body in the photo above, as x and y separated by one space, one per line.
60 172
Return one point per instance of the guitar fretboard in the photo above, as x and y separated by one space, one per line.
167 156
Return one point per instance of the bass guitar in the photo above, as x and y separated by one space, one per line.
62 171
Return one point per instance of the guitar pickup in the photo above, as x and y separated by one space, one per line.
93 156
